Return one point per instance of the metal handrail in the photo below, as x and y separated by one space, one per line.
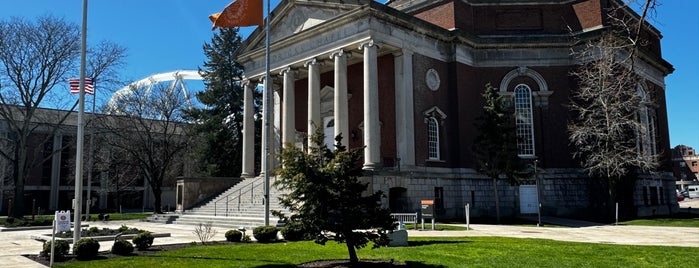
240 194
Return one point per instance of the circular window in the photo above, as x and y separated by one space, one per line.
432 79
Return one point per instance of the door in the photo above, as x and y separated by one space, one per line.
528 199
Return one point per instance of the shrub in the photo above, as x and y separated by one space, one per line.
205 232
61 249
265 234
293 232
122 247
92 231
123 228
143 240
86 248
245 239
233 236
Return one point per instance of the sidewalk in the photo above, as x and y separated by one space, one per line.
21 243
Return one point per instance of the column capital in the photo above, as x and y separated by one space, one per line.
312 61
340 53
369 43
287 70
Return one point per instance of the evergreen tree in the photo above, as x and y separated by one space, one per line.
495 146
327 199
220 122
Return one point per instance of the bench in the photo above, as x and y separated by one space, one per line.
403 218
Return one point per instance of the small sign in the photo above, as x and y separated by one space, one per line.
427 208
62 221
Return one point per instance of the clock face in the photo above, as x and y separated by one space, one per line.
432 79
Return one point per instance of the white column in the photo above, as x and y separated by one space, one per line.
288 108
340 102
263 154
55 171
248 130
372 128
313 98
277 126
405 125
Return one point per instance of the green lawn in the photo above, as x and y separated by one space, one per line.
422 252
679 220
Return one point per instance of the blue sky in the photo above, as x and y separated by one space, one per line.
167 35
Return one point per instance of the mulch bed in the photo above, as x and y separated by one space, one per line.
160 248
108 255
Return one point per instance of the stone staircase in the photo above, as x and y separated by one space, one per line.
240 206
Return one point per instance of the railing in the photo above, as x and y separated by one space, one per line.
238 197
405 218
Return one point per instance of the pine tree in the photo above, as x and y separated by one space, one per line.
327 199
496 145
220 122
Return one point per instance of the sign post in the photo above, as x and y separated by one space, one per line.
61 223
427 211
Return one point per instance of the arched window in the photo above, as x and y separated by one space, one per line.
433 138
524 120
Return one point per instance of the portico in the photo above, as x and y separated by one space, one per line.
307 73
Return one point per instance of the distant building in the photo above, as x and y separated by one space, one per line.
405 78
51 181
685 166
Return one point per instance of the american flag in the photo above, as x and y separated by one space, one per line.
75 86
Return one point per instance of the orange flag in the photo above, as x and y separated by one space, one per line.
238 13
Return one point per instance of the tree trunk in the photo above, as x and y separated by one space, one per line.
352 251
157 192
18 205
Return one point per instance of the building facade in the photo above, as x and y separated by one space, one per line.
112 184
405 80
685 166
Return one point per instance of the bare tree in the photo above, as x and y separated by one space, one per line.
148 127
35 58
610 128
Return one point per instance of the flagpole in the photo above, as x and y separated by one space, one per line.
268 104
79 147
90 154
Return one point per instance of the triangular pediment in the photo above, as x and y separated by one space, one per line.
295 16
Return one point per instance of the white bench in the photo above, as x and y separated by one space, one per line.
405 218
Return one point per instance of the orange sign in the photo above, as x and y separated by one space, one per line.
426 202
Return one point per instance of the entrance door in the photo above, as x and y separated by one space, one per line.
329 131
528 200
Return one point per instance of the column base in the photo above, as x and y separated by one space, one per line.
371 166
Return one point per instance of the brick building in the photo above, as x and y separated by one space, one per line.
685 166
50 184
404 79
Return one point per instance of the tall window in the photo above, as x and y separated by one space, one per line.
433 138
646 115
524 120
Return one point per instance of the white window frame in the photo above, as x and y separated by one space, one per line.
433 139
524 120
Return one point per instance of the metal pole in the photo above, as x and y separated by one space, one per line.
90 155
81 126
268 104
538 195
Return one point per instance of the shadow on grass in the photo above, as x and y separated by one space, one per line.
320 264
433 242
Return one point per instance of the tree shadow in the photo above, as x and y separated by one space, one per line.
335 264
433 242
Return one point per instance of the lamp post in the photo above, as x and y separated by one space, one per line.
538 194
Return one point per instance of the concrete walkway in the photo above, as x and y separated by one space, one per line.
17 243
